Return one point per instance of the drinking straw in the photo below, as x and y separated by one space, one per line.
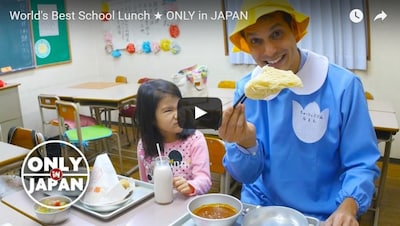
159 151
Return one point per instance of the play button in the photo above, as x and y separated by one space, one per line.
199 113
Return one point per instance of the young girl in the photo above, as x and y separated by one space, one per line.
156 115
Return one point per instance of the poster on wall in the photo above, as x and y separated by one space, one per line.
140 26
50 33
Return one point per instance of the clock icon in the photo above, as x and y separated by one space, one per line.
356 15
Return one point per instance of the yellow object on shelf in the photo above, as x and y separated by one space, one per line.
227 84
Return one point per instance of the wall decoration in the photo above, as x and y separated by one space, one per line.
140 27
50 36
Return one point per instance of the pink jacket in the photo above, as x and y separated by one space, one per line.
190 160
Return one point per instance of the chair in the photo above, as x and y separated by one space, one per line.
121 79
369 95
26 138
381 138
107 111
227 84
1 134
144 79
126 111
48 103
81 136
216 149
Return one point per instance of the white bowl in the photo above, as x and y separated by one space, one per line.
107 207
213 198
274 215
111 206
52 216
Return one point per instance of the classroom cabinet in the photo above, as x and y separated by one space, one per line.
10 108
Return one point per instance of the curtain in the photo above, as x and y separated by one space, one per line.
238 57
330 32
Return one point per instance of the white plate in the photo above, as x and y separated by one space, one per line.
106 207
142 192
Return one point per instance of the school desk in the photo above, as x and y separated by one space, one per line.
11 156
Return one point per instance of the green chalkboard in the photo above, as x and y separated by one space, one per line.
16 50
50 35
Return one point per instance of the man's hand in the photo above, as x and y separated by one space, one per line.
345 214
235 128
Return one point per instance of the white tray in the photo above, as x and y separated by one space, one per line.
185 220
142 191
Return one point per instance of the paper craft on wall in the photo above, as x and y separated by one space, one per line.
51 40
140 26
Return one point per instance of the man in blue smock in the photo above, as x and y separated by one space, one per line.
313 148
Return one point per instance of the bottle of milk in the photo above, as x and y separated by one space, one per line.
162 181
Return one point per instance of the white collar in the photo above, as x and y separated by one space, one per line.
313 75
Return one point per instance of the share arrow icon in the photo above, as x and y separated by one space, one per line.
382 15
198 112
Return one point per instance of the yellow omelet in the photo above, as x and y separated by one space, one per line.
271 81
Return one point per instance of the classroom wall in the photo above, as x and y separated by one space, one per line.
201 44
382 76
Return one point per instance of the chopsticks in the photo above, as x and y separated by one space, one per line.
240 101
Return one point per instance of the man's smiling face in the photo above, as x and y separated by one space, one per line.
272 41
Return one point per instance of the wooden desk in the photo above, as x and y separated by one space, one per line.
10 110
104 94
380 105
221 92
99 95
146 213
386 126
11 156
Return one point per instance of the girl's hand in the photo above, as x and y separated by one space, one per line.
181 185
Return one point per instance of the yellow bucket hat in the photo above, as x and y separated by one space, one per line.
258 8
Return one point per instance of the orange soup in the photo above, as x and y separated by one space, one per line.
215 211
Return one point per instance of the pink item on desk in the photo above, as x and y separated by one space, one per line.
85 121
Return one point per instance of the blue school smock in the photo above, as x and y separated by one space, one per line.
316 145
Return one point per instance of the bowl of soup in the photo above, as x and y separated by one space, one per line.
53 209
214 209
